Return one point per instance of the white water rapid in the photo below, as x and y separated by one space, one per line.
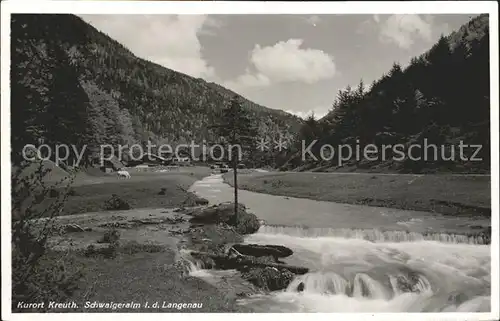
420 266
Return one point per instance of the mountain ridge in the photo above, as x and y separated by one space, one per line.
129 99
440 98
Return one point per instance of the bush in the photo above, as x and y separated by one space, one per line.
51 278
37 274
110 236
109 251
116 203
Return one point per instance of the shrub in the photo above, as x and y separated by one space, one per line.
37 275
109 251
110 236
116 203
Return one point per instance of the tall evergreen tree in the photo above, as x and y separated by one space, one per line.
67 112
238 134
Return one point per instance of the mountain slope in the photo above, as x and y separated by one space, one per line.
441 99
73 84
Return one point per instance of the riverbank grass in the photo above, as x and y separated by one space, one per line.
128 271
142 190
445 194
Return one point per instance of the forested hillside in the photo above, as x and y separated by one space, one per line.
442 96
73 84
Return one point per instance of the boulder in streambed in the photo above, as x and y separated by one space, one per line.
269 278
276 251
242 221
221 213
201 201
246 223
245 263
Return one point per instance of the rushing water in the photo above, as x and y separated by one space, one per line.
398 261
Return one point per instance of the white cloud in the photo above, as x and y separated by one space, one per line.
286 61
283 62
404 30
169 40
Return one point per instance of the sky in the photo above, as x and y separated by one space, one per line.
296 63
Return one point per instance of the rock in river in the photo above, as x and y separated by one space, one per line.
221 213
276 251
269 278
244 222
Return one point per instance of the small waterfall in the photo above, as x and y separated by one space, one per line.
373 235
362 286
321 283
415 283
194 267
389 263
357 270
365 286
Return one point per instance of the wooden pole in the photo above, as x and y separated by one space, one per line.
235 176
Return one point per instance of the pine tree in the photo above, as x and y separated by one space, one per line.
235 127
67 111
